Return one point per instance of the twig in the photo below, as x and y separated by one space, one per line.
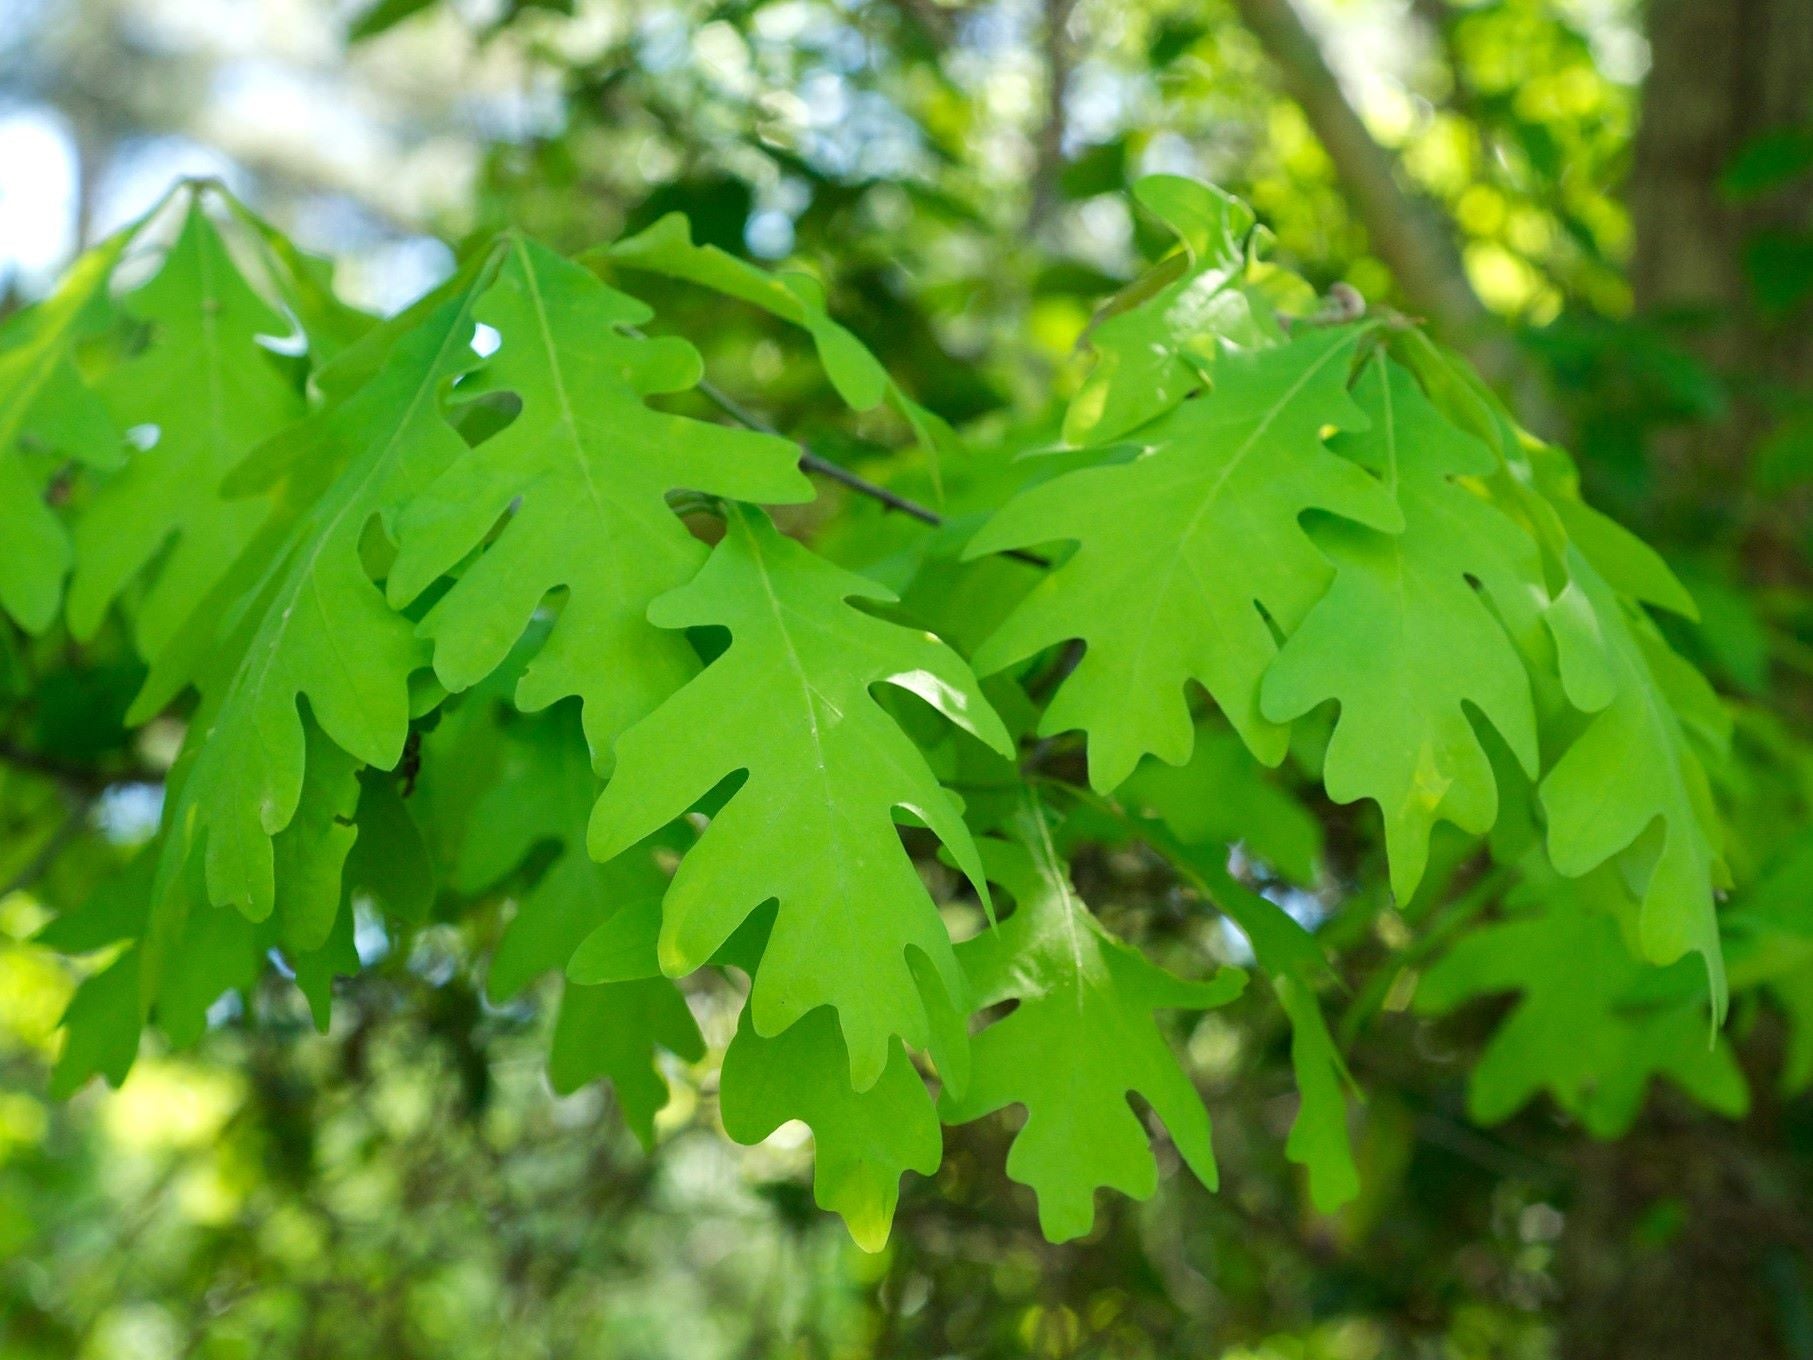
812 462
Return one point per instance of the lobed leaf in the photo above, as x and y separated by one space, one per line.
799 299
1189 555
299 617
863 1140
610 1028
206 391
1632 770
1405 642
1156 343
48 408
1080 1041
788 706
582 476
1593 1023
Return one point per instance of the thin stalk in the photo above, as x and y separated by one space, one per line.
812 462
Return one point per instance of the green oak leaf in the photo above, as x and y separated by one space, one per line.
217 952
112 912
310 853
316 969
211 392
1080 1041
305 283
587 466
176 965
1319 1139
788 706
102 1022
47 407
1631 786
540 793
1405 642
351 840
1156 343
1770 941
863 1141
1594 1022
391 864
189 957
543 792
860 379
610 1032
101 1027
1182 549
1291 960
1628 564
1222 795
299 617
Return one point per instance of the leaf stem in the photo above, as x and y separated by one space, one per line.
813 462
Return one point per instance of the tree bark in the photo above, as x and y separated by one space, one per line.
1723 73
1692 1237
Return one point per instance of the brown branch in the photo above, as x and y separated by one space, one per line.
1059 60
1417 248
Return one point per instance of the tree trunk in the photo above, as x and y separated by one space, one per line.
1690 1237
1723 74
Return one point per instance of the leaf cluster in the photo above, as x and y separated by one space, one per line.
485 611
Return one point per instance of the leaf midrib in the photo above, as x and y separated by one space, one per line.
326 520
1211 497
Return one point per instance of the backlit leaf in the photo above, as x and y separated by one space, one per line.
1404 641
583 473
788 706
1080 1041
1182 549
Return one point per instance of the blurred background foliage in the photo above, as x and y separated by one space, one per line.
1608 204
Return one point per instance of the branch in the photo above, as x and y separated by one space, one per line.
812 462
1059 60
809 460
1418 250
